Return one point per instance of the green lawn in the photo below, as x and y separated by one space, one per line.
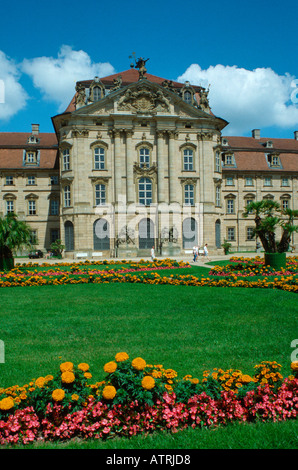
185 328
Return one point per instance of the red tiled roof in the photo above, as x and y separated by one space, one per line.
256 161
12 145
252 143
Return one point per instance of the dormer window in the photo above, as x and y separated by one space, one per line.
273 160
269 144
31 157
187 97
188 93
228 159
224 141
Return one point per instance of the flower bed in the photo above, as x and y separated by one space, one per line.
248 267
136 397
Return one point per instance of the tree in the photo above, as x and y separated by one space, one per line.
57 248
14 234
268 216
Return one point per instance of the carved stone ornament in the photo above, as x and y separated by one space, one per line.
80 96
144 100
80 133
144 172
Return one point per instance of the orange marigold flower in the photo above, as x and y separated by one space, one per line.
58 394
109 392
66 366
294 365
6 403
148 382
110 367
138 363
40 382
68 377
122 356
87 375
83 367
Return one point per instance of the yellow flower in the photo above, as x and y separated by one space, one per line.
122 356
110 367
246 378
40 382
83 367
148 382
58 394
75 397
66 366
138 363
294 365
67 377
6 403
87 375
109 392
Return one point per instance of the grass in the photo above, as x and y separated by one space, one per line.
185 328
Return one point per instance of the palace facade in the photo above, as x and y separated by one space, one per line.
135 161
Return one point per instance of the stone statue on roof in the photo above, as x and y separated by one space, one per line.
140 64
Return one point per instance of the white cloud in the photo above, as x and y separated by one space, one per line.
247 99
13 97
56 77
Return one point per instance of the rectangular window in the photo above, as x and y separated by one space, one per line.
67 200
217 196
230 206
9 180
66 159
229 181
187 160
100 194
231 234
33 237
54 180
145 191
54 208
285 204
250 233
9 207
31 180
32 207
144 157
189 194
99 158
54 235
285 181
248 181
217 162
268 181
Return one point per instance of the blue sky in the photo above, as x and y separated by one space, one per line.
245 52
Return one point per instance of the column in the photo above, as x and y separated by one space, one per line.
117 165
130 194
160 167
172 181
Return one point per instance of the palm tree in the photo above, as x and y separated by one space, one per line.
14 234
288 228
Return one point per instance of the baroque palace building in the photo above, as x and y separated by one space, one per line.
135 161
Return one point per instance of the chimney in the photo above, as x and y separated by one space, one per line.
296 135
35 129
256 134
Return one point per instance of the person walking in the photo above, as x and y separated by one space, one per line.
152 254
206 254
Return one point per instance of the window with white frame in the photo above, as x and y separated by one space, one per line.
267 181
189 194
187 97
100 194
187 159
230 206
66 159
144 157
9 206
217 161
145 191
247 202
33 237
99 158
31 180
250 233
67 196
285 203
9 180
217 196
229 181
285 181
31 207
231 234
248 181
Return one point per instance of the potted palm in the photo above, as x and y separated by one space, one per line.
268 216
14 234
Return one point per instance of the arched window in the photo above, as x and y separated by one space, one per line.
146 234
187 96
145 191
99 158
96 93
189 233
101 235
